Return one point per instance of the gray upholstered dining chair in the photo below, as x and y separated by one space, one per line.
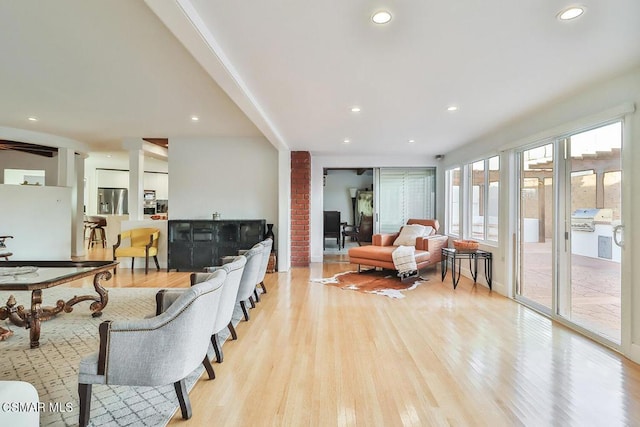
268 244
249 278
224 314
155 351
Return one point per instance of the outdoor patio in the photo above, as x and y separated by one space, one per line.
595 288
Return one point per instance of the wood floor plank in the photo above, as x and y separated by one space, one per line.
318 355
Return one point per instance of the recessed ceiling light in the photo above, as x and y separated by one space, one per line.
355 109
452 108
346 141
195 118
412 141
570 13
109 155
32 119
381 17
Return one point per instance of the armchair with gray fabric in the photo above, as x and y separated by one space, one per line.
250 277
268 244
234 272
156 351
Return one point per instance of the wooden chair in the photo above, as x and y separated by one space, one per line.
4 252
144 243
361 233
331 227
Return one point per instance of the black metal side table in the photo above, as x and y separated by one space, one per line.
453 255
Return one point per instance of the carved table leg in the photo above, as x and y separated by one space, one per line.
34 318
31 319
99 302
98 306
16 315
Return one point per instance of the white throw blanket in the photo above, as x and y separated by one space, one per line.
404 260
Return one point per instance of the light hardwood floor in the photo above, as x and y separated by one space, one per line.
318 355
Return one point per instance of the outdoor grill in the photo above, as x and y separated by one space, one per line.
586 219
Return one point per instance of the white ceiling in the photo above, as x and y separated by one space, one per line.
103 71
100 72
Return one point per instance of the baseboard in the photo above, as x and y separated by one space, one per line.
634 353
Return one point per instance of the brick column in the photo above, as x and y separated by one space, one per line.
300 207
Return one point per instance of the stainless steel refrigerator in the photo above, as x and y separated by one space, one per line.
113 201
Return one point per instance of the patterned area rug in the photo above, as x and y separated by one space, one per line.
379 282
53 368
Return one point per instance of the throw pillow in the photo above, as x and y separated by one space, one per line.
408 235
428 230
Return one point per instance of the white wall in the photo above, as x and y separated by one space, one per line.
336 191
592 105
19 176
237 177
17 160
39 219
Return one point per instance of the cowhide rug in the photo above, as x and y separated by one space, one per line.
373 282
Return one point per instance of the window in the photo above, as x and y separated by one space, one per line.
405 194
453 201
493 200
476 206
483 199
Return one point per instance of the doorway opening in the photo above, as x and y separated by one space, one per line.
347 195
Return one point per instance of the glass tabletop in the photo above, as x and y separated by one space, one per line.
26 275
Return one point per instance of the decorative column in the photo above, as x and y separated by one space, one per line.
77 205
136 178
300 208
70 174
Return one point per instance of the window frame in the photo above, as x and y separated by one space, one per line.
449 201
484 200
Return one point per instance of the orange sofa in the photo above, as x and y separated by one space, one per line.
378 254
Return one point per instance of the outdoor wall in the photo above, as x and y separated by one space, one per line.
583 196
531 206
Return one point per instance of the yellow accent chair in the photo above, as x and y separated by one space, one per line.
144 243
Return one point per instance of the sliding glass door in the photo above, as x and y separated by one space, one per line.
591 297
402 194
536 235
569 237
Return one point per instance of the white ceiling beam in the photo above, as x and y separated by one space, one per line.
182 19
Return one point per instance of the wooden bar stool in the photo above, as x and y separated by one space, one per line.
98 234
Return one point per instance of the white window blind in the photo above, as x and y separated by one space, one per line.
405 194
